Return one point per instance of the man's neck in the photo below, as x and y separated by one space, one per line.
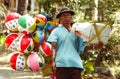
67 26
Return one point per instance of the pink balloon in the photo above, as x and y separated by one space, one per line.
35 62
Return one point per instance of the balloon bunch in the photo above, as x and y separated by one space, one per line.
27 39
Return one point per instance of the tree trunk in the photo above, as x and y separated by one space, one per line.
95 11
22 6
12 5
29 5
101 15
1 1
32 5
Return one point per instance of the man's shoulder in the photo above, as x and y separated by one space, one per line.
58 28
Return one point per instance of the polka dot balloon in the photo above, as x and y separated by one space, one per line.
11 21
10 41
26 24
17 61
25 44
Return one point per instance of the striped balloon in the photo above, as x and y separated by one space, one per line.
35 62
18 61
11 21
26 24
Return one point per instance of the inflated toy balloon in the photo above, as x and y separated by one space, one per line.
40 20
11 21
35 62
10 41
45 48
25 44
51 25
26 24
39 36
18 61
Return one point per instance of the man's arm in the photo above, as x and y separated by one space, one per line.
53 55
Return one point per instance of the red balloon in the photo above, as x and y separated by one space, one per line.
40 16
45 47
12 16
17 61
13 61
10 38
26 44
11 21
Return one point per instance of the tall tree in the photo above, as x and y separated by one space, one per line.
22 6
32 5
95 11
1 1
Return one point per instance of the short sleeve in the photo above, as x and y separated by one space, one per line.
52 37
82 44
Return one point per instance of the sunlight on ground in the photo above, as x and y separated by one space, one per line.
9 73
24 77
29 77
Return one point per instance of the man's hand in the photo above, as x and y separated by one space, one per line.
54 46
54 67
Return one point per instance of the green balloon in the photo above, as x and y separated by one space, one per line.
22 21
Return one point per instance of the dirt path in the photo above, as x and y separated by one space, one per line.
7 73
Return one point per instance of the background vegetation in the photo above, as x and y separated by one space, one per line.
86 11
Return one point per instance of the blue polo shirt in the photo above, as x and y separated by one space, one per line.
69 47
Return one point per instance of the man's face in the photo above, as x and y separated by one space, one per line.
65 18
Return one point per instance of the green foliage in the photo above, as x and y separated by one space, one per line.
115 37
89 66
83 8
2 39
47 5
117 71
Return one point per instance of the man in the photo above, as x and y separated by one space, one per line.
65 52
66 48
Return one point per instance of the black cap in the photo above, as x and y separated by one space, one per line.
64 10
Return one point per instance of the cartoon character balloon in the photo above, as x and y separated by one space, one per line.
26 24
39 36
11 21
10 41
40 21
18 61
25 44
50 25
35 62
45 48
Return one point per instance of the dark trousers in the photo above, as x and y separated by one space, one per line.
68 73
